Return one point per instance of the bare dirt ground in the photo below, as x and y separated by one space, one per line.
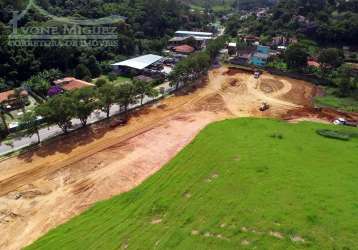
47 186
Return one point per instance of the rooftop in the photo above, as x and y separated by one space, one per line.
194 33
184 49
71 83
7 95
140 62
261 55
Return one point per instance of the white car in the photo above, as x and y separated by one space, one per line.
340 121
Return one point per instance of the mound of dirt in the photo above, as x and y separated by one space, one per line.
269 86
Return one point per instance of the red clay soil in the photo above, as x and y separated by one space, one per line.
47 186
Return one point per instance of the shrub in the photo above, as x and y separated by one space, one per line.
277 136
100 82
339 135
9 143
112 76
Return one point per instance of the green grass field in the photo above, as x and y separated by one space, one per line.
119 80
331 100
241 184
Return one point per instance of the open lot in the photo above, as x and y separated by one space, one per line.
46 187
245 183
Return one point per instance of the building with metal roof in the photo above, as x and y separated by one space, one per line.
139 63
194 33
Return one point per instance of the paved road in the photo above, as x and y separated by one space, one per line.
53 131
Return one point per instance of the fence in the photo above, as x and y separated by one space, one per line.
299 76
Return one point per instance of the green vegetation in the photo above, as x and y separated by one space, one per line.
317 31
227 5
325 21
339 135
245 183
188 70
349 104
116 79
146 29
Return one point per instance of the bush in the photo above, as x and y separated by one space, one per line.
277 136
100 82
339 135
112 76
9 143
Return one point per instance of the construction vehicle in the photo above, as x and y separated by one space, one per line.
264 106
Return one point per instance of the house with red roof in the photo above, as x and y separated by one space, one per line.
184 49
11 100
71 83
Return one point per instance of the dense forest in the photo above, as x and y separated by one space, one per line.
234 4
147 26
325 21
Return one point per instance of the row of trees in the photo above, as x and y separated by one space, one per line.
190 69
80 104
331 68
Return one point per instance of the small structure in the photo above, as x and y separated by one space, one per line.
11 101
250 39
184 49
198 40
232 48
243 55
263 49
198 34
259 59
314 64
71 83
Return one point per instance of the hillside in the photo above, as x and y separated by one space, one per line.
253 183
242 4
327 22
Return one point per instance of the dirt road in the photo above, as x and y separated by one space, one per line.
44 188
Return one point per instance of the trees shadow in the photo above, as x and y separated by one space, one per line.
65 143
190 89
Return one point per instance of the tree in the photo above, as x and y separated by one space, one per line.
30 125
296 57
84 104
38 85
143 89
177 75
106 97
82 72
100 82
94 67
330 58
59 109
232 26
126 95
